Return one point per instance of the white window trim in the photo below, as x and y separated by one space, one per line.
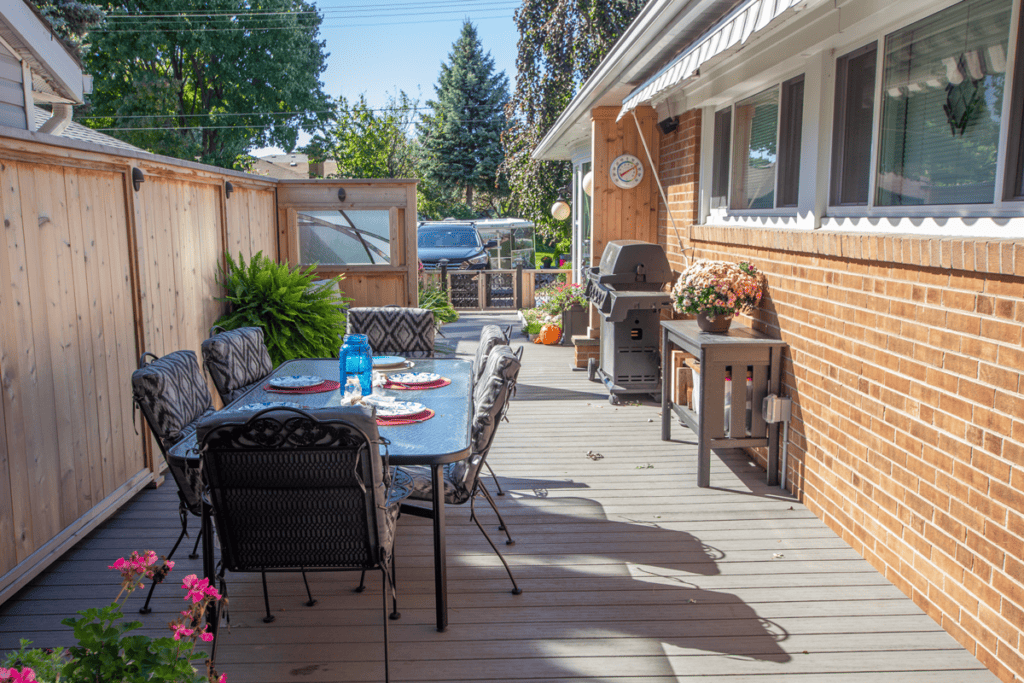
750 217
903 214
1000 219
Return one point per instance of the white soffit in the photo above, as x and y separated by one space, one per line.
748 20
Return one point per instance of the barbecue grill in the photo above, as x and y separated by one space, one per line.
627 291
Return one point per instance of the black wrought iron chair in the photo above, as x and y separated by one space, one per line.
236 360
490 401
292 490
490 337
173 397
393 330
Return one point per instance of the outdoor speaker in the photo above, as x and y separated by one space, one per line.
668 125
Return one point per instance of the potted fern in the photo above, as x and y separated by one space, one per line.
300 318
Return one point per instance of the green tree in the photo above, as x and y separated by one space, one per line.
70 19
560 45
207 79
461 136
368 143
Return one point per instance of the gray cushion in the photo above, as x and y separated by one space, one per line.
490 336
490 401
173 397
236 360
393 330
172 394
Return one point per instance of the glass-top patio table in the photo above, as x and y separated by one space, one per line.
440 440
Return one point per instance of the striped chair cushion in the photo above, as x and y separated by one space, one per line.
172 394
490 336
393 330
236 360
490 401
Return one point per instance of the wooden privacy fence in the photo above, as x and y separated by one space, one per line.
92 273
362 229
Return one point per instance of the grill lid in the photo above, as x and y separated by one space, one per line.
633 261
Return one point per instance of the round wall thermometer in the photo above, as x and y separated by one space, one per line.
627 171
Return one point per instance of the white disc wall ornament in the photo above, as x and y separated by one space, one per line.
627 171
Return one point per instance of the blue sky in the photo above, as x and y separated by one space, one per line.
378 47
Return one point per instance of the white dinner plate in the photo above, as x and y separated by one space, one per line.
388 361
414 377
268 404
295 382
399 409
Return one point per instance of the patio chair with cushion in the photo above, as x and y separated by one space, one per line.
236 360
461 479
173 397
393 330
292 490
490 337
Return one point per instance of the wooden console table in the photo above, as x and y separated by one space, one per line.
742 350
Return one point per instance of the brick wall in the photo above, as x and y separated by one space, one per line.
904 363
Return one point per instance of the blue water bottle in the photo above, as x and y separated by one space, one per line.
355 360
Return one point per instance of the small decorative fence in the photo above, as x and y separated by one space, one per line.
494 290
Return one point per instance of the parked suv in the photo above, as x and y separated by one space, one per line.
457 241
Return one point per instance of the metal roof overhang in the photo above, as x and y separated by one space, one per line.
750 19
652 38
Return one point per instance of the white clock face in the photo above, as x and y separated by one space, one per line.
627 171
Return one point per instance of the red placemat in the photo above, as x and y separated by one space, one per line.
326 385
436 384
405 419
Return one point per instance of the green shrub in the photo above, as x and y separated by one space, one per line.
436 301
299 319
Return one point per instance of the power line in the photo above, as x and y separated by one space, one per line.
297 28
228 14
255 113
232 126
331 9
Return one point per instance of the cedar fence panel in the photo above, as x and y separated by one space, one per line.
93 273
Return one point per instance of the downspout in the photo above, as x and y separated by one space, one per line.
57 123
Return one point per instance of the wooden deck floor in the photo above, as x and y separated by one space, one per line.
630 573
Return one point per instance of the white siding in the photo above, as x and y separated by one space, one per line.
12 93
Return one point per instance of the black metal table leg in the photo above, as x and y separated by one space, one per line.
440 562
666 381
209 565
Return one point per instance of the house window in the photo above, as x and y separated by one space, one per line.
720 160
756 155
755 151
851 144
942 94
791 124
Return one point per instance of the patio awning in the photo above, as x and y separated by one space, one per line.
747 20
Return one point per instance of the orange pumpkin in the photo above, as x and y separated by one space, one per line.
549 334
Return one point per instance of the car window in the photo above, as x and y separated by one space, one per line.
432 239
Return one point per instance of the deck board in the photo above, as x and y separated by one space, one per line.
630 572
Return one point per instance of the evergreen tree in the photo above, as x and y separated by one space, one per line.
461 136
71 20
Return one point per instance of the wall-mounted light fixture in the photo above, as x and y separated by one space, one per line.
668 125
588 183
561 209
138 177
228 189
341 194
